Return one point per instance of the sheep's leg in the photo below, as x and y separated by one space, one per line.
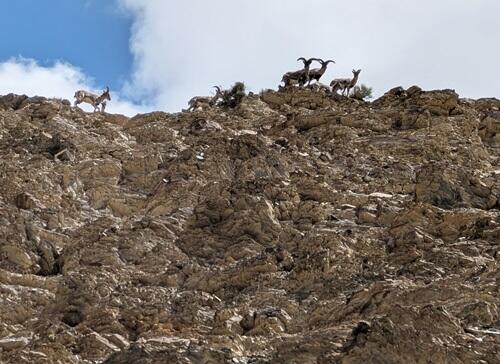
335 88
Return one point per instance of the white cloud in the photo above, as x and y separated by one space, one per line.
183 48
26 76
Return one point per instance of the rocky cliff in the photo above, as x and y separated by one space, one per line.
295 228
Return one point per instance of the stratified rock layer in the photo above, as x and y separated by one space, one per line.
296 228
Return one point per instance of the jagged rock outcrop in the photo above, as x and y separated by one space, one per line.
295 228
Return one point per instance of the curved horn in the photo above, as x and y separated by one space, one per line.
310 60
330 60
217 88
107 88
305 61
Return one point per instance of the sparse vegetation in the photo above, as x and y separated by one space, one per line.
361 92
232 97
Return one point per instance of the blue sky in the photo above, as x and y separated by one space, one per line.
156 54
92 34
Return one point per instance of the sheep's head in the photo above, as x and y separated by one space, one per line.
218 90
106 94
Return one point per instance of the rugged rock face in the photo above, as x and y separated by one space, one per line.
296 228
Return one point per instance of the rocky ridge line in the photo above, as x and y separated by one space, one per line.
295 228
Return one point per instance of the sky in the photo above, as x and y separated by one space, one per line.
157 54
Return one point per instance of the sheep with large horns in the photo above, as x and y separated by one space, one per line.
300 76
201 101
317 73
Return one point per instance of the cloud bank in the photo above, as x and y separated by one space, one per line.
182 49
26 76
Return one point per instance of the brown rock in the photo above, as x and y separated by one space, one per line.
295 228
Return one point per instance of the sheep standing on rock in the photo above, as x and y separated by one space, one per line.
93 99
300 76
201 101
345 84
317 73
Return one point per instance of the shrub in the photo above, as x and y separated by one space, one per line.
361 92
232 97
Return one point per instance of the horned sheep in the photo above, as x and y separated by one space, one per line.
200 101
300 76
317 73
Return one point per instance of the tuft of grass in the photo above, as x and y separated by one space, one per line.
233 97
361 92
